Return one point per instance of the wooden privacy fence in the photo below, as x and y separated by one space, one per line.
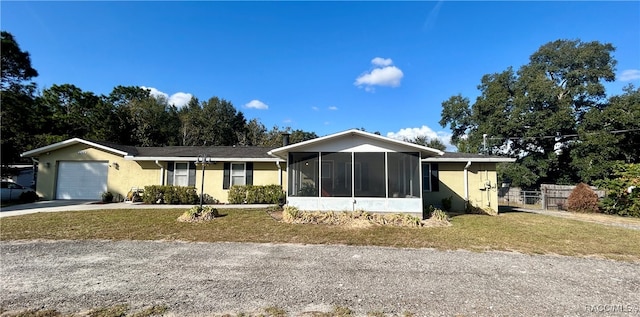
553 197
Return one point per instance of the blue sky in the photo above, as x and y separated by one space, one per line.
317 66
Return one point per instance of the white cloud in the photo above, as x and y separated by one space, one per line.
410 133
629 75
379 61
383 74
155 92
257 104
333 108
179 99
315 108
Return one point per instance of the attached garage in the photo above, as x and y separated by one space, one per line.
81 180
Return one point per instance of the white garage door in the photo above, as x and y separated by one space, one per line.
81 180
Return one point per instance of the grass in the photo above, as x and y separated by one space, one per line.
515 231
120 310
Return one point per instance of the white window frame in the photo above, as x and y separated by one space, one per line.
183 172
232 175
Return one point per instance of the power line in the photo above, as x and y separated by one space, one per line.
559 135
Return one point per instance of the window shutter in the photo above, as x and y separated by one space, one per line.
226 176
192 174
435 180
249 167
170 173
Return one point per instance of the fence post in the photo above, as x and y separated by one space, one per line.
544 197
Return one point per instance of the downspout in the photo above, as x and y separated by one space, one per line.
279 172
466 184
161 172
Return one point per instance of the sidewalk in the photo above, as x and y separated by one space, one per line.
74 205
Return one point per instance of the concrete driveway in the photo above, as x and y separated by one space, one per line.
74 205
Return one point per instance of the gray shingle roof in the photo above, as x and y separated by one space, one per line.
211 151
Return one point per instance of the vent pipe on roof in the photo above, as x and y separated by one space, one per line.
285 139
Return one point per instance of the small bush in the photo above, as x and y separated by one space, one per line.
28 197
238 194
197 214
583 199
107 197
446 203
258 194
439 215
172 195
358 218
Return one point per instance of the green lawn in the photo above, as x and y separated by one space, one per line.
521 232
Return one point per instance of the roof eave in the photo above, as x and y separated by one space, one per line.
69 142
195 158
281 151
471 159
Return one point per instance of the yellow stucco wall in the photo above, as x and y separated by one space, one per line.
264 173
139 174
119 180
451 177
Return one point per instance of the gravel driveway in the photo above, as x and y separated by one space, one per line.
203 279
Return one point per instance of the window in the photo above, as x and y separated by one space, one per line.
404 175
181 173
430 177
238 174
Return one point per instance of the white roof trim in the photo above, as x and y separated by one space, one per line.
195 158
69 142
473 160
292 147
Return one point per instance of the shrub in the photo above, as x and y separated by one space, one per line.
107 197
28 197
197 214
173 195
623 190
237 194
358 218
582 199
258 194
446 203
439 215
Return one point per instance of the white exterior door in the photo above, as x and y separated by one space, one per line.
81 180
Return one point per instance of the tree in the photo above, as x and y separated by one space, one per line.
19 115
16 64
426 141
528 114
608 135
273 138
72 111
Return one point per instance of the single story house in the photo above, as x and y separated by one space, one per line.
343 171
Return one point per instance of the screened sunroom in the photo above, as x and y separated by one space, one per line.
355 170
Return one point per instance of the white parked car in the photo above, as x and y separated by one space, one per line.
13 191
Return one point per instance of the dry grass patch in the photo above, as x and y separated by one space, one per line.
522 232
362 219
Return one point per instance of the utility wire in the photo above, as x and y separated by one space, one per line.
558 136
